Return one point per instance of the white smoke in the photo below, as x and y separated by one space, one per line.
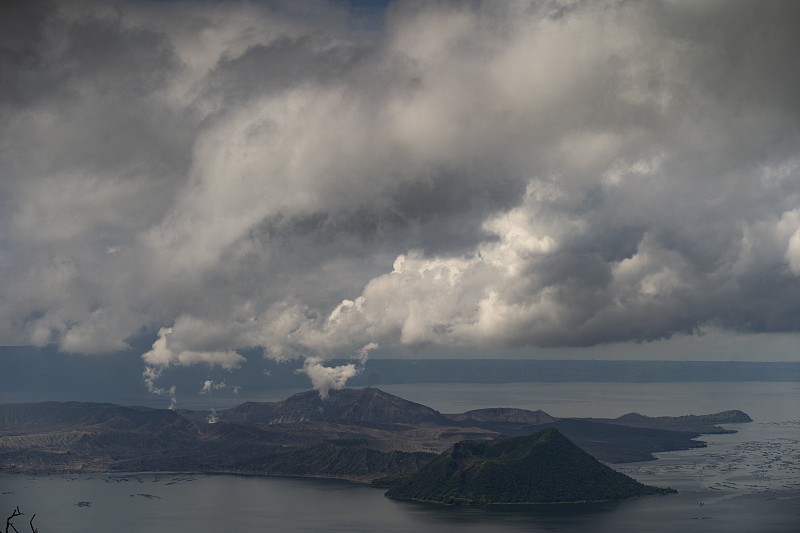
150 375
324 378
363 352
167 352
210 385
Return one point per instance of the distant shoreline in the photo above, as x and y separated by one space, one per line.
43 372
396 371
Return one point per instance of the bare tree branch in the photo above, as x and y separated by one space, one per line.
14 514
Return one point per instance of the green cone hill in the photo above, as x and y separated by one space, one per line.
544 467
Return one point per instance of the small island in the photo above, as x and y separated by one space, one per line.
544 467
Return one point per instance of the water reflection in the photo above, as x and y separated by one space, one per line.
528 517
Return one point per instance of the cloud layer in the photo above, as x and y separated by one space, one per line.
301 178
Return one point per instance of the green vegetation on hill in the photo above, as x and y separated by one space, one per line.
343 460
544 467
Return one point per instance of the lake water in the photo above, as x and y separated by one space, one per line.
747 481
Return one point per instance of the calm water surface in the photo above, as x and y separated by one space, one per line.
748 481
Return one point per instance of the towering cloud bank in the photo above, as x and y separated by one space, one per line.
309 179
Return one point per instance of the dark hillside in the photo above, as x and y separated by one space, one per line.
545 467
353 433
348 406
504 414
698 423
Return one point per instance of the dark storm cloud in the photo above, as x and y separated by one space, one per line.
289 176
281 66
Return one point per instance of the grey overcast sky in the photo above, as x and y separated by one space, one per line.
340 179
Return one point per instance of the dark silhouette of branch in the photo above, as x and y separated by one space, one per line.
14 514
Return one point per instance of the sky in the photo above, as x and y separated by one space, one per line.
310 180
